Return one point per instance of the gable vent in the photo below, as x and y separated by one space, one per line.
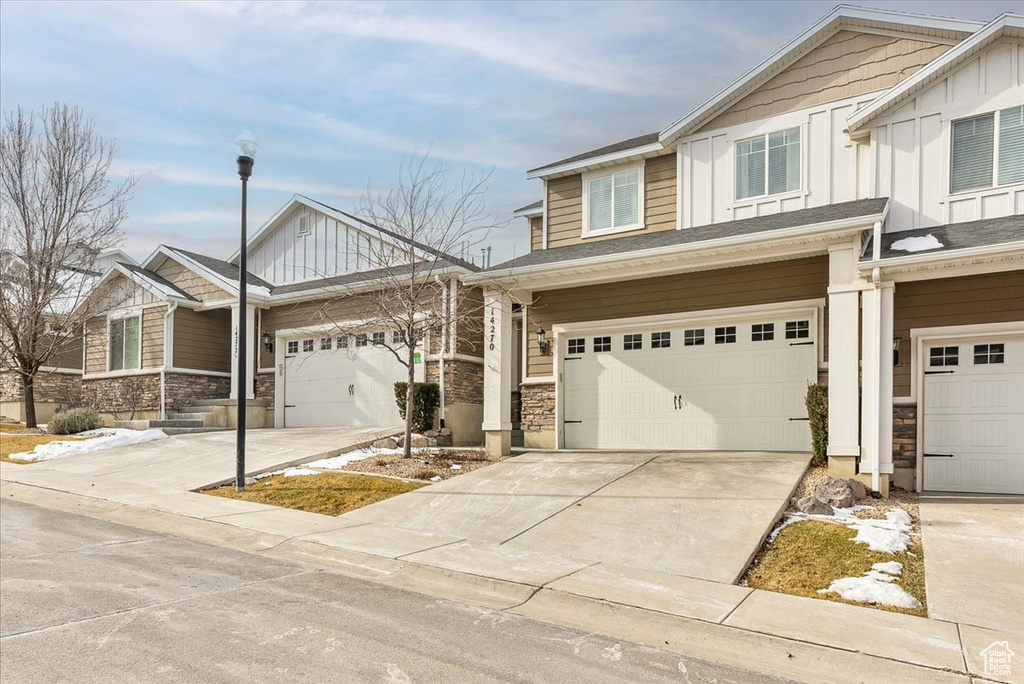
303 225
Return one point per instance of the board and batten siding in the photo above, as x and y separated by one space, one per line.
793 280
848 64
202 339
971 300
565 204
191 282
911 146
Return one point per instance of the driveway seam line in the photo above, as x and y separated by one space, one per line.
430 548
570 574
585 496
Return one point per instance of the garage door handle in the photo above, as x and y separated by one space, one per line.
572 358
799 418
939 372
572 421
799 344
289 405
939 456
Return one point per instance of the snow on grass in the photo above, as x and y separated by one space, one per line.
96 440
293 472
342 460
891 535
876 586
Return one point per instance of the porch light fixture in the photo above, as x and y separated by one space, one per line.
542 342
896 350
268 341
245 143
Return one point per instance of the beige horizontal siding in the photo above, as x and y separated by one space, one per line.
994 298
191 282
153 337
565 204
202 339
96 345
536 233
847 64
784 281
470 330
308 314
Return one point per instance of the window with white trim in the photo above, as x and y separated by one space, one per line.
125 343
325 343
661 340
378 338
293 346
944 356
632 341
693 338
307 345
985 354
762 332
602 344
725 334
577 345
612 201
798 330
768 164
987 150
361 340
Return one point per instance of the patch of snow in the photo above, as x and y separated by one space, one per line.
98 440
293 472
917 244
436 478
338 462
783 525
889 567
876 586
891 535
456 466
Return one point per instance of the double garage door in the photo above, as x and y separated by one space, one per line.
974 415
722 384
340 381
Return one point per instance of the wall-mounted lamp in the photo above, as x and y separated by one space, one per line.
896 350
268 341
542 342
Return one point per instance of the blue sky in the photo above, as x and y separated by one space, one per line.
337 93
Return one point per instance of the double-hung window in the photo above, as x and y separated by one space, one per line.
125 343
768 164
612 201
987 150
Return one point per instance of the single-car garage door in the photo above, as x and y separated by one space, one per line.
974 415
335 381
724 384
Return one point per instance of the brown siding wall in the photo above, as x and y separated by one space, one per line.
470 332
994 298
847 64
536 233
96 345
191 282
153 337
306 314
565 203
202 339
744 286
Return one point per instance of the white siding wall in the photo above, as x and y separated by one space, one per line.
833 169
330 248
910 147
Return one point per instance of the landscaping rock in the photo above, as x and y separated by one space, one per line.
812 506
445 432
430 433
858 488
444 440
419 441
386 443
835 491
431 441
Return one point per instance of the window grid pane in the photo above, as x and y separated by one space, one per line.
307 345
988 353
577 345
750 168
602 344
1011 145
725 334
796 330
632 342
661 340
762 332
944 356
343 342
361 340
693 338
972 155
784 161
293 346
378 338
325 343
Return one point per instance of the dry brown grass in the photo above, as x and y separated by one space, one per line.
808 555
16 444
327 493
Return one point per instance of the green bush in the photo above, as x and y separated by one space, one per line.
73 421
426 397
817 412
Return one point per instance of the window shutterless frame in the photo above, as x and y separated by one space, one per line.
784 145
610 175
118 340
986 150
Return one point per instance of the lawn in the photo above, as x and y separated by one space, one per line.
326 493
808 555
17 444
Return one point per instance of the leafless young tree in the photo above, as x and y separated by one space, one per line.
58 210
427 223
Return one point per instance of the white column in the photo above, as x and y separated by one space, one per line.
869 437
877 397
843 358
886 332
250 357
498 350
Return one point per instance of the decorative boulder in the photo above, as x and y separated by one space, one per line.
812 506
386 443
430 433
858 488
431 441
444 440
419 441
445 432
836 492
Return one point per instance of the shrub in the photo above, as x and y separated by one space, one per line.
817 412
73 421
426 397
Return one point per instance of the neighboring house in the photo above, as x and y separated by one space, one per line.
167 339
848 211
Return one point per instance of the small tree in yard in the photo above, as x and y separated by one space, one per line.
58 210
422 223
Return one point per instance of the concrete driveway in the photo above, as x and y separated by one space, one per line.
974 559
697 514
189 462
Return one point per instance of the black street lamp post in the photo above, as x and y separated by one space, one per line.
246 145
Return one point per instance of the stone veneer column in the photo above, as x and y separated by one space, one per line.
498 350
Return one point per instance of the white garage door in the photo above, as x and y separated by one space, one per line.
331 383
734 384
974 415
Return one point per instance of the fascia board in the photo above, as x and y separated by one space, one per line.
349 289
582 164
230 286
932 258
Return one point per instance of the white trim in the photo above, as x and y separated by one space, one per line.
779 196
539 380
598 174
119 316
621 156
544 219
919 337
56 369
529 213
122 374
196 371
932 258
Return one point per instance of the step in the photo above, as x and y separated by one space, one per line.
229 402
176 423
132 424
192 430
194 409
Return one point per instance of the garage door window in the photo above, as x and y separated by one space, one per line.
693 338
293 346
325 343
762 332
307 345
602 344
944 356
361 340
988 353
798 330
661 340
343 342
577 345
378 339
632 342
725 335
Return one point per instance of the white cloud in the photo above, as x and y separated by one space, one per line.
179 175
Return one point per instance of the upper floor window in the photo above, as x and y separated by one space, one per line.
987 150
125 343
768 164
612 201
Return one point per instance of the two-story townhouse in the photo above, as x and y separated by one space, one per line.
849 211
164 346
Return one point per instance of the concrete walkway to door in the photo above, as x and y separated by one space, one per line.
697 514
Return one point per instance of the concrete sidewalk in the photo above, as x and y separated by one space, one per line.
801 639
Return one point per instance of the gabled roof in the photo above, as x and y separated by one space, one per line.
950 238
351 282
221 267
220 273
161 287
532 209
1004 25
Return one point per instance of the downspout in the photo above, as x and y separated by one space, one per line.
876 362
168 351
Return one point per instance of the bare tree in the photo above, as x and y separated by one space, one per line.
58 210
427 223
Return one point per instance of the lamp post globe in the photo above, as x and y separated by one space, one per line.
246 145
